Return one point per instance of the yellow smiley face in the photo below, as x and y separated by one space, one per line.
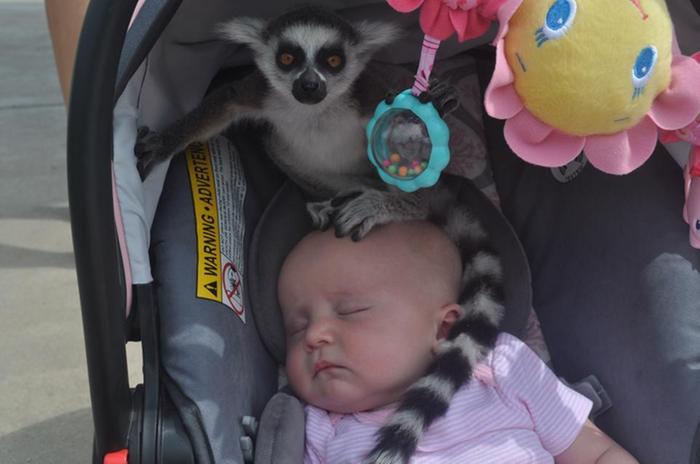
590 66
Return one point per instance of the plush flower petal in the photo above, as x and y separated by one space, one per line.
469 24
679 104
540 144
500 100
625 151
506 10
405 6
435 19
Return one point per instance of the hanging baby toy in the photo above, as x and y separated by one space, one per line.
691 173
598 76
408 140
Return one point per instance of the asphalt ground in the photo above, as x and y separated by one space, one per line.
44 397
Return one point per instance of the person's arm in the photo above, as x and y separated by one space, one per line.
65 18
593 446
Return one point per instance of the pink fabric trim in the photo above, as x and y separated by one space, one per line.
124 251
425 65
119 223
538 143
136 11
625 151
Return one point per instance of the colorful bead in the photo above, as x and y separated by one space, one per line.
395 157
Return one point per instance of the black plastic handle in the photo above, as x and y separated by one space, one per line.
97 259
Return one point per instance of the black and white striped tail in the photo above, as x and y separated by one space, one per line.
469 340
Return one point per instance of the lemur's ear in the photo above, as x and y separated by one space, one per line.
246 31
375 35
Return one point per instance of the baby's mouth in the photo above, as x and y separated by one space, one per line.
322 365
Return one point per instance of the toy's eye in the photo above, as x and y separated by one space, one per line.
557 22
334 61
642 69
697 225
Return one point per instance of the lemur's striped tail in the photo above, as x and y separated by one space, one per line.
469 340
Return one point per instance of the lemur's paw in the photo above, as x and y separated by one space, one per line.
321 214
442 95
356 213
149 149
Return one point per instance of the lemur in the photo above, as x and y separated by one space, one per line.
312 90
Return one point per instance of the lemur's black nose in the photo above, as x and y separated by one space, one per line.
309 85
309 88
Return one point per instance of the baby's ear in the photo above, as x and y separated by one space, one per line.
448 315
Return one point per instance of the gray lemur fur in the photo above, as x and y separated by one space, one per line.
318 117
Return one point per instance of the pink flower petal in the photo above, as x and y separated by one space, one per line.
625 151
500 100
435 19
679 104
460 23
505 11
469 24
489 8
540 144
405 6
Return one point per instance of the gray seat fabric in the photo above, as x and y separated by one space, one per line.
216 360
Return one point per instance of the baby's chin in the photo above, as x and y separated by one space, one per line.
342 401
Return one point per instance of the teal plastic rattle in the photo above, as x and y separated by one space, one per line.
408 141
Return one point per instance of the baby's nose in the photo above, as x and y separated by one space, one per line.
320 333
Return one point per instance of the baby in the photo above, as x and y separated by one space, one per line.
363 322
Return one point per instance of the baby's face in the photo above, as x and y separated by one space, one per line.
360 330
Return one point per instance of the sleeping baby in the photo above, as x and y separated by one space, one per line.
363 321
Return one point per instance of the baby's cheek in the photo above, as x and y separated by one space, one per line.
296 374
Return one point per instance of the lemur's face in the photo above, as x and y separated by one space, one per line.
310 55
309 63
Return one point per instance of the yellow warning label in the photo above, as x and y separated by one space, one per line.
199 167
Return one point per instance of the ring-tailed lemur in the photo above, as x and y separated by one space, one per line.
310 86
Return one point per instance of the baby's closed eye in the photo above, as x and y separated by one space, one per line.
347 310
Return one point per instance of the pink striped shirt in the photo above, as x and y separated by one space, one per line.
516 412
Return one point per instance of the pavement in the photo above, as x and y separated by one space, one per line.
44 398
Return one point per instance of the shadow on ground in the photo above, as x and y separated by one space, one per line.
59 440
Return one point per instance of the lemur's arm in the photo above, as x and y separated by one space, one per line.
218 110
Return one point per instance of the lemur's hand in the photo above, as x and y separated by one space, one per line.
352 213
441 95
150 148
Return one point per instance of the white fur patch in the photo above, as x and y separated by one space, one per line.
471 350
482 303
484 263
311 38
440 387
410 421
461 224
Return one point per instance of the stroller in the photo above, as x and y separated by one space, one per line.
211 337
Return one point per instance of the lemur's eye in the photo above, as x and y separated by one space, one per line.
286 59
334 61
557 22
642 69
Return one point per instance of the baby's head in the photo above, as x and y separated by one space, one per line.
364 319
